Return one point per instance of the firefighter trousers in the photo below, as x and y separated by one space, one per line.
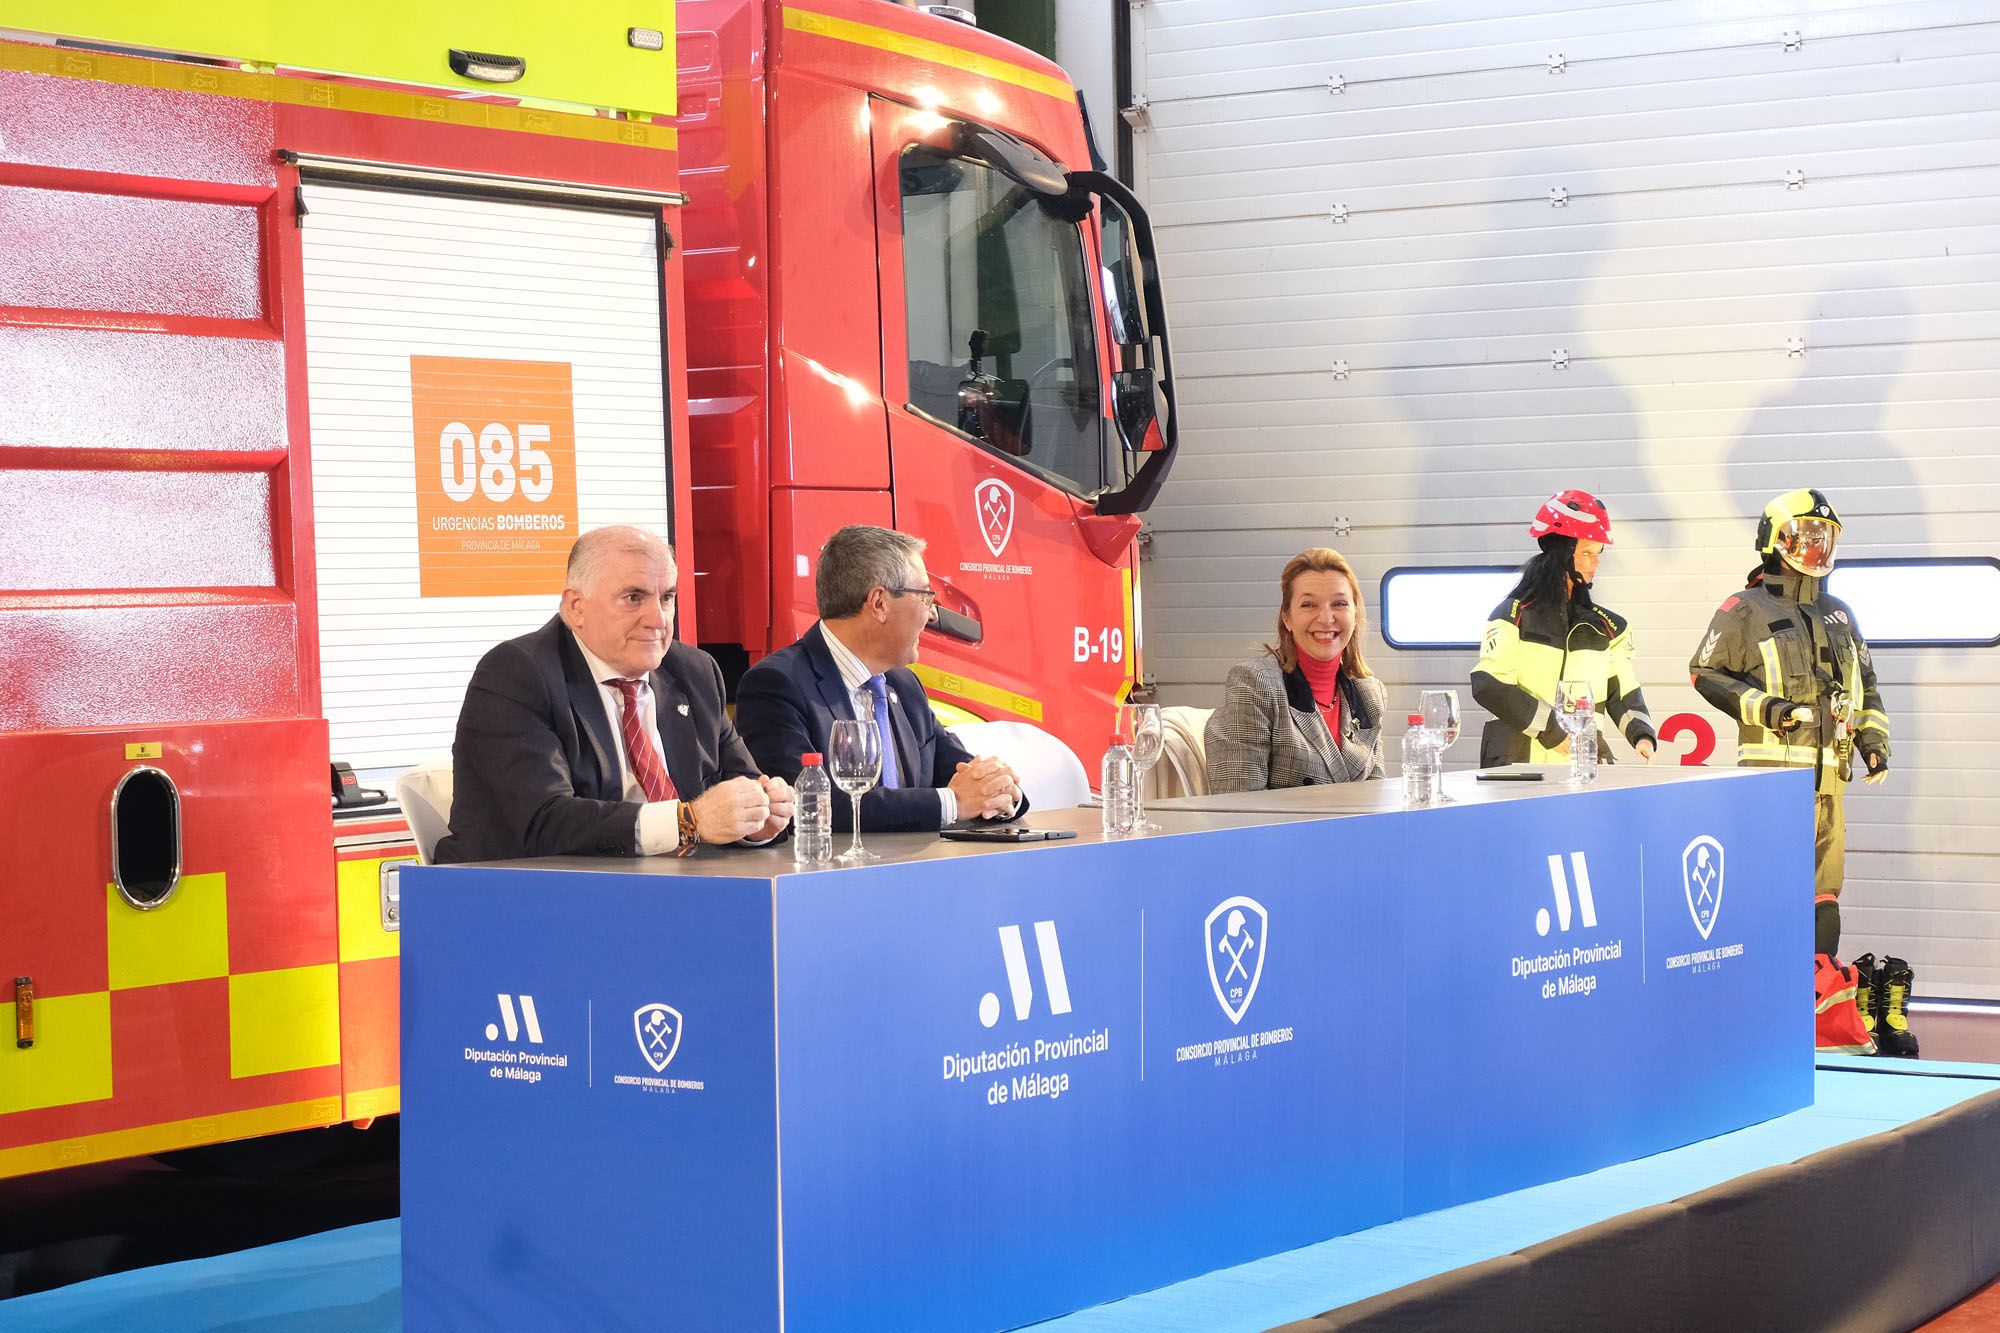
1829 844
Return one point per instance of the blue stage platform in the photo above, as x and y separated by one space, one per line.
350 1280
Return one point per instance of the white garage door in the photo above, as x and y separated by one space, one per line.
485 381
1428 262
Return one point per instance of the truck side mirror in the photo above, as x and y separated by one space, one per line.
1137 411
1143 401
1124 304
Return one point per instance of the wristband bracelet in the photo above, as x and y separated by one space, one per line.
690 837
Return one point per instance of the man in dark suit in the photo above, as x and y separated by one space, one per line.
598 734
874 601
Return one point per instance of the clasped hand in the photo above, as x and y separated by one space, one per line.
743 808
985 788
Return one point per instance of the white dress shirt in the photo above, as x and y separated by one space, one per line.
659 821
854 674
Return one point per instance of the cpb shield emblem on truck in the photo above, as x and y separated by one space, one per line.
993 500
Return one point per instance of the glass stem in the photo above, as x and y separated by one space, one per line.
1139 799
854 847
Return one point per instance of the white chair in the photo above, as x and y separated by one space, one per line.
1182 769
425 795
1051 775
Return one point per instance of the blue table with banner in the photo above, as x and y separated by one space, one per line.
972 1088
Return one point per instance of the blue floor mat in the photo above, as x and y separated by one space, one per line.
346 1281
350 1281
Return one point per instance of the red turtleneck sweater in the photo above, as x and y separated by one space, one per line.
1324 680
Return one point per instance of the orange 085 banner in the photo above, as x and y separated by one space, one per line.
496 475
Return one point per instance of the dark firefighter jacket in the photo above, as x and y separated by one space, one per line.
1782 641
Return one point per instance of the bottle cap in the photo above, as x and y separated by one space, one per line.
1416 719
811 757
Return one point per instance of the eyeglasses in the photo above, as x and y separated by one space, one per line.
929 596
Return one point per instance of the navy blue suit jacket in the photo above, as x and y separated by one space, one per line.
786 706
535 767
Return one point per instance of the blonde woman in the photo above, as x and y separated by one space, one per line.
1306 710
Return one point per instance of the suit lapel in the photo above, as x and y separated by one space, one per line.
826 675
677 738
1324 743
587 705
834 694
1350 718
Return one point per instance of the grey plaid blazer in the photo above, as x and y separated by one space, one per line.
1269 734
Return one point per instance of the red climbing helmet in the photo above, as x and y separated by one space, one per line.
1577 514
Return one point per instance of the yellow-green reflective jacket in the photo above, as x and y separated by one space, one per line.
1527 650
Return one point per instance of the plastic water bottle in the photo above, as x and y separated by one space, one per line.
1583 753
1120 788
1420 763
812 814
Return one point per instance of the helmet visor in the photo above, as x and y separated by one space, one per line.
1807 544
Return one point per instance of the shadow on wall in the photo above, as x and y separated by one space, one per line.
1825 429
1502 427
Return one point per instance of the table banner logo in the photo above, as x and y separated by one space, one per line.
528 1017
658 1029
1237 935
1236 940
656 1033
1701 878
516 1051
1015 955
1569 967
1034 1066
1584 898
1701 885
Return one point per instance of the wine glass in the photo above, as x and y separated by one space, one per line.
1440 710
1576 713
1147 742
854 758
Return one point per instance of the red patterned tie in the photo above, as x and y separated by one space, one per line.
639 748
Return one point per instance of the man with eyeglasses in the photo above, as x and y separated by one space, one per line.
601 735
874 602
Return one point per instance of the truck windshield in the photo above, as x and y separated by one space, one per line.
1000 337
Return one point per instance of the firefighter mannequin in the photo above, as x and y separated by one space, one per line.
1548 630
1789 663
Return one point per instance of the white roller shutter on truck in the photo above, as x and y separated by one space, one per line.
424 308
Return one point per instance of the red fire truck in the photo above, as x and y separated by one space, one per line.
308 380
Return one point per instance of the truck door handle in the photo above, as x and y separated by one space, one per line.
957 615
486 66
957 625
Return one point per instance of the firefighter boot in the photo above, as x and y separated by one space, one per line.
1826 925
1868 997
1892 1034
